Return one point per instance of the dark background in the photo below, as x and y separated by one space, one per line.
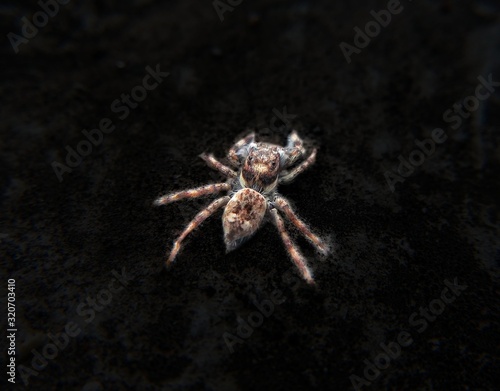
392 250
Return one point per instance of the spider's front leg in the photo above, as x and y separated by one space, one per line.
294 149
291 248
193 193
239 151
197 220
212 162
289 176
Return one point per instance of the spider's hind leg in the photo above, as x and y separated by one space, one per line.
284 206
291 248
197 220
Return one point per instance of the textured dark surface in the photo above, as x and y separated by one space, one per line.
393 250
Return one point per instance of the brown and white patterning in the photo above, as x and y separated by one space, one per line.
252 197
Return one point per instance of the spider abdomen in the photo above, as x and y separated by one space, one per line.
242 217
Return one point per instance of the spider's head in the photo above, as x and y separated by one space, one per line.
261 168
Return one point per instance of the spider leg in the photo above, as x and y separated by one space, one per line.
212 162
291 175
235 154
294 148
192 193
291 248
193 224
284 206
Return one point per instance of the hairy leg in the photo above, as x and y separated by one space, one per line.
212 162
291 248
198 219
284 206
235 154
292 174
294 148
192 193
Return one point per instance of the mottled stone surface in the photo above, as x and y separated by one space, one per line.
165 330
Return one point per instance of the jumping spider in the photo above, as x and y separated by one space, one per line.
253 196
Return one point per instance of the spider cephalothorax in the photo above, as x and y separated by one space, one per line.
252 195
261 168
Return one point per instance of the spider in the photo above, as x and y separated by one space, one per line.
252 197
